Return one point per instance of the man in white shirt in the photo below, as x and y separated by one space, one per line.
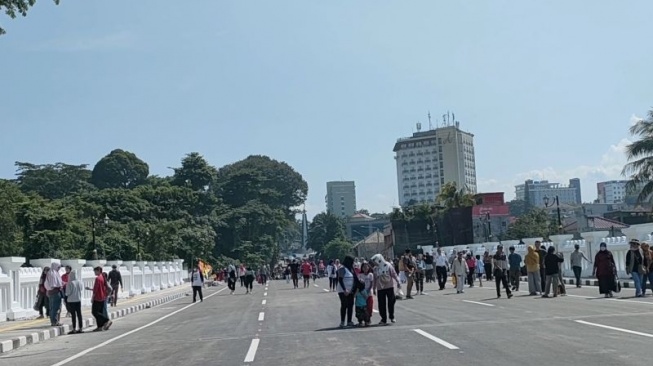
441 266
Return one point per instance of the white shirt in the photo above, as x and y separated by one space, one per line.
348 280
441 260
196 279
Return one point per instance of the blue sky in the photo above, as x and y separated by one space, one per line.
549 90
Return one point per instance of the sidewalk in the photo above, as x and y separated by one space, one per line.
16 334
625 283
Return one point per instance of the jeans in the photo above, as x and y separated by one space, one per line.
98 313
534 283
551 280
577 272
441 272
346 307
419 282
387 301
637 279
76 314
650 280
55 306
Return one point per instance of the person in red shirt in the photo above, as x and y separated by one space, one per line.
64 278
306 272
99 298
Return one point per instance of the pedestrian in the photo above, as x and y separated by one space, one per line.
420 268
441 268
331 274
409 265
307 270
41 295
347 284
634 266
552 267
54 286
115 280
361 305
487 262
105 310
249 280
384 275
605 271
231 278
197 282
294 273
74 289
460 270
241 274
428 267
532 262
99 300
542 253
367 277
65 279
500 264
561 281
514 262
576 261
471 266
648 266
480 270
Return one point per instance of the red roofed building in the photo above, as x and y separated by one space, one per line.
490 217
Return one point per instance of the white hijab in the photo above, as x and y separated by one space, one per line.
53 278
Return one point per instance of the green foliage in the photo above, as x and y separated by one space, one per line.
245 215
518 208
324 229
535 223
639 168
16 7
338 248
119 169
452 197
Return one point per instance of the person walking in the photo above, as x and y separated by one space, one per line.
307 270
231 278
487 263
331 272
249 280
429 267
347 284
441 268
576 261
532 261
384 288
115 280
42 295
634 266
552 266
605 271
480 270
542 252
514 262
74 289
471 267
99 299
460 270
408 262
420 269
53 286
197 282
500 264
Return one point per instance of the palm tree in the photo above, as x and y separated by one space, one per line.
640 158
452 197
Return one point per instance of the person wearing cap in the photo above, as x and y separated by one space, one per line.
576 261
514 261
500 264
605 271
115 280
635 265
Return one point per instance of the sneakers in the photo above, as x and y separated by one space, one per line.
342 325
107 325
351 324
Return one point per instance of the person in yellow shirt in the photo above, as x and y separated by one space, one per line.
532 261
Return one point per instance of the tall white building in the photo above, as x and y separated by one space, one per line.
428 160
341 198
615 191
533 192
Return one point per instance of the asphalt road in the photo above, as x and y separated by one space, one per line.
282 326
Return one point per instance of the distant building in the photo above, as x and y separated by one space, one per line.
615 191
533 192
359 226
341 198
428 160
490 216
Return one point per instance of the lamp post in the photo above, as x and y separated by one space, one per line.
94 222
486 219
556 201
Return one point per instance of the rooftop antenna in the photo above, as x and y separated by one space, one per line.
430 126
419 126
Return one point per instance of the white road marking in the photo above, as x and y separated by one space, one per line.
477 303
435 339
581 297
91 349
617 329
251 353
265 294
261 316
316 285
325 290
374 310
264 302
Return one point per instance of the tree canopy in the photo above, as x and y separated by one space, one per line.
639 168
324 229
242 211
17 7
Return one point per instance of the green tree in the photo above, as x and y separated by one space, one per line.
10 231
517 207
452 197
17 7
325 228
53 181
639 168
195 172
339 249
535 223
119 169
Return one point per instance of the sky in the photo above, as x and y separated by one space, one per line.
549 89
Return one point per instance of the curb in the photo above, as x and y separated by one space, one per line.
53 332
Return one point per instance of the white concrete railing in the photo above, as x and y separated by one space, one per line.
589 245
19 285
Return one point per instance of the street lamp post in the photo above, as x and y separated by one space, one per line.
486 219
94 222
557 203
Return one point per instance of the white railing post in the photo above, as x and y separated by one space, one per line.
11 265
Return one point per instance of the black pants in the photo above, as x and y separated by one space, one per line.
75 309
542 276
242 281
43 302
387 301
346 307
332 283
441 272
470 276
295 280
249 282
231 283
197 290
488 271
577 271
97 310
501 277
429 275
419 281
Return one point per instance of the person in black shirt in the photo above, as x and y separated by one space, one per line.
294 271
500 264
542 252
552 268
115 280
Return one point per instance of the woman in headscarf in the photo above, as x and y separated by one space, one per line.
42 297
605 270
347 284
53 286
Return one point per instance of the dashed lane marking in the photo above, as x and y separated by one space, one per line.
477 303
251 353
435 339
615 328
261 316
264 302
265 294
325 290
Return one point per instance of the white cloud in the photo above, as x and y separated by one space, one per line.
607 168
117 40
